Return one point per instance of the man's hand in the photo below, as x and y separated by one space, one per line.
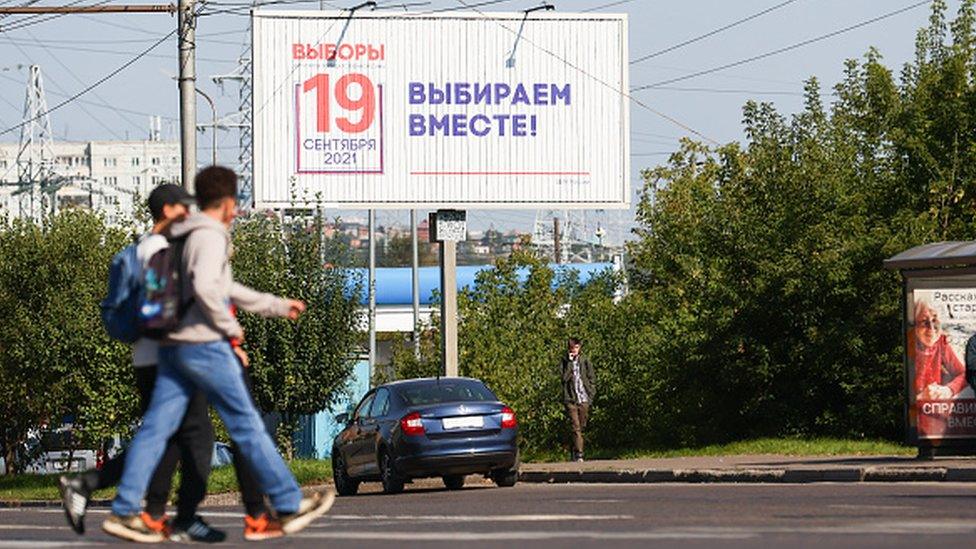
295 308
242 356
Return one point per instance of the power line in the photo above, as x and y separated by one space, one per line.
114 52
268 3
661 135
97 120
80 81
35 19
733 91
784 49
623 93
471 6
608 5
712 32
92 103
122 41
95 84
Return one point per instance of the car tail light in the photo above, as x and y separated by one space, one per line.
411 424
508 418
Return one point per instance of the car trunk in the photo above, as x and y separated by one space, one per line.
461 419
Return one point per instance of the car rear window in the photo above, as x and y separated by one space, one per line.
445 391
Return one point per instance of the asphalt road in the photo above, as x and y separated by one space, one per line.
658 515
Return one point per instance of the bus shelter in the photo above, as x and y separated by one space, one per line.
939 326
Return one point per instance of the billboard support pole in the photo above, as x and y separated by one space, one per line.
447 228
372 293
415 285
449 343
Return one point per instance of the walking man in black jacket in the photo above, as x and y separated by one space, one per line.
579 389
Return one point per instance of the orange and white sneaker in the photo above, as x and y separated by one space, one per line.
261 527
309 509
138 528
160 525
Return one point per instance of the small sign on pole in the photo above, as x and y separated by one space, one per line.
447 228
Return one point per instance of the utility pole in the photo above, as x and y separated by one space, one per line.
556 241
187 83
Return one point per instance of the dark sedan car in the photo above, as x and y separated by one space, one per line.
436 427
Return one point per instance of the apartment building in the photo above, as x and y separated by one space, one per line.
113 177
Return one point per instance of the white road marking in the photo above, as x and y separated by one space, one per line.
918 528
590 500
37 543
907 527
29 527
482 518
429 518
873 507
516 536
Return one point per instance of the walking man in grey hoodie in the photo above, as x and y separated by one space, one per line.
198 355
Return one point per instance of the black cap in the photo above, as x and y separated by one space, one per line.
167 194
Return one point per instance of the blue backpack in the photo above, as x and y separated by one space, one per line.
145 302
120 308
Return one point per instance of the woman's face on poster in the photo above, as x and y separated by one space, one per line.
927 327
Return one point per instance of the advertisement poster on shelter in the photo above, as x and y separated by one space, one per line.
941 349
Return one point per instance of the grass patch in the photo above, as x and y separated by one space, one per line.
760 446
222 479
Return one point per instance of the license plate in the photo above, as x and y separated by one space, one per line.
463 422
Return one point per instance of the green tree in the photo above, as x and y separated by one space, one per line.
55 359
763 260
298 367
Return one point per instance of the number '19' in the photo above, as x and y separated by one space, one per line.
365 103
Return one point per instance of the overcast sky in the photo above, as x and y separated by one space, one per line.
77 50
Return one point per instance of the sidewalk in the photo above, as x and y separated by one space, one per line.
756 469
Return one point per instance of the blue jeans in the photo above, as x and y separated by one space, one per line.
213 368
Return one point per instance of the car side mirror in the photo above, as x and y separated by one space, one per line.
342 418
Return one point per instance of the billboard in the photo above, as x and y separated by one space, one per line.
941 345
455 110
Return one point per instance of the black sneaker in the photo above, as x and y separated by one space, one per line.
195 530
308 510
74 499
132 528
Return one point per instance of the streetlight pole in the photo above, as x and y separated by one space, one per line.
213 126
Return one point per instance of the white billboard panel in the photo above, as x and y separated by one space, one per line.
453 110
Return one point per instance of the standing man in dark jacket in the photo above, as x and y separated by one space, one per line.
579 389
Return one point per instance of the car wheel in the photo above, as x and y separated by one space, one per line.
453 482
392 481
506 478
345 485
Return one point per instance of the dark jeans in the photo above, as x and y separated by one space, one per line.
192 444
251 494
578 414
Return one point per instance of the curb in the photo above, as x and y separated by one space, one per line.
769 475
753 476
